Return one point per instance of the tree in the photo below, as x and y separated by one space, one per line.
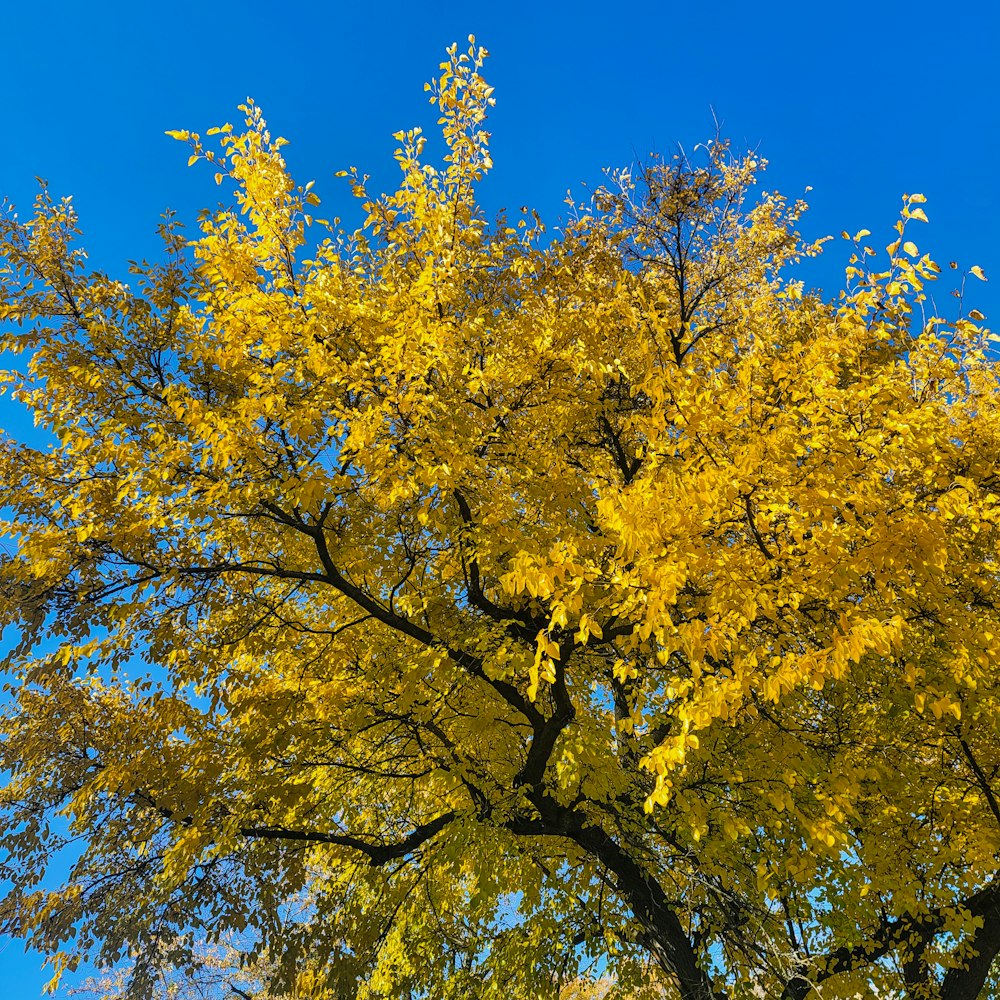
223 972
524 598
213 972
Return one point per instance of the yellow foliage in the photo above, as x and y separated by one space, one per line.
524 597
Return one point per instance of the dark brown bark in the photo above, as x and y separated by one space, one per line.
968 983
377 854
959 984
663 935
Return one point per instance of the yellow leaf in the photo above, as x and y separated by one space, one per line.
978 272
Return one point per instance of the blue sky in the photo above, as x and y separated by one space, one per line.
862 102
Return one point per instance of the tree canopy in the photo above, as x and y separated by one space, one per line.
529 601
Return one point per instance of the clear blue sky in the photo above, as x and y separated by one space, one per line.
861 101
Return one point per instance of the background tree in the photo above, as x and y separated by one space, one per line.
523 598
224 972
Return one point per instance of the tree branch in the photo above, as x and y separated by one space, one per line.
377 854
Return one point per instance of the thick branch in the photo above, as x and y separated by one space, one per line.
544 739
663 934
377 854
959 984
968 983
888 936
